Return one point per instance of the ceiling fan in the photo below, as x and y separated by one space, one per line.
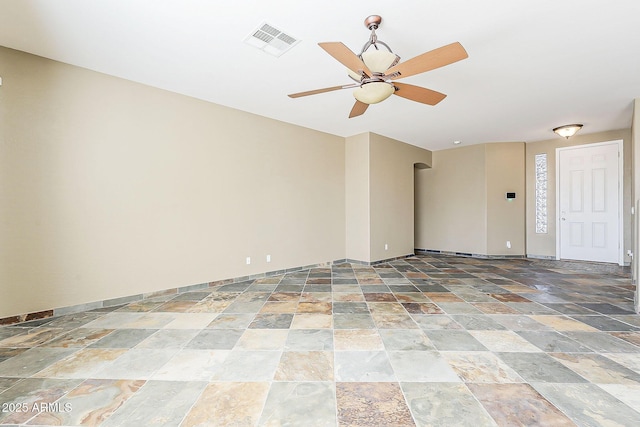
374 71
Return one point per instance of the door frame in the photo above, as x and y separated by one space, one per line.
620 145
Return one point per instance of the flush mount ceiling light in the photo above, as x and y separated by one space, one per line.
376 68
567 131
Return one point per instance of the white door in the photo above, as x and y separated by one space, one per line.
589 202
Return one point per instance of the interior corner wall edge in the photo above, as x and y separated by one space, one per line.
635 149
112 188
357 198
392 196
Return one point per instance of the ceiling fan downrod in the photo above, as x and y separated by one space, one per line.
372 23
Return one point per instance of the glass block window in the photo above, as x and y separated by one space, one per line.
541 193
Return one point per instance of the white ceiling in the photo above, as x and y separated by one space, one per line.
532 65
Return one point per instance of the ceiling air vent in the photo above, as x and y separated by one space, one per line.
271 40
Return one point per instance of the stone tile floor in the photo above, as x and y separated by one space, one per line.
432 340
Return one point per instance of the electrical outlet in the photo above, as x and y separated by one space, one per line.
509 244
248 260
268 258
386 247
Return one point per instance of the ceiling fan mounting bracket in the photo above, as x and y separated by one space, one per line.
373 22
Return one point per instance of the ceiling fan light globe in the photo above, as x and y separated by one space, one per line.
379 61
372 93
355 76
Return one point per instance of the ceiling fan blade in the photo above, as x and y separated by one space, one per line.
428 61
346 57
358 109
326 89
418 94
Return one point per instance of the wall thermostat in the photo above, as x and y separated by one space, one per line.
511 196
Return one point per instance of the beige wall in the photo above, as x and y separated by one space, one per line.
392 196
544 245
110 188
451 202
505 219
461 205
357 213
380 196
